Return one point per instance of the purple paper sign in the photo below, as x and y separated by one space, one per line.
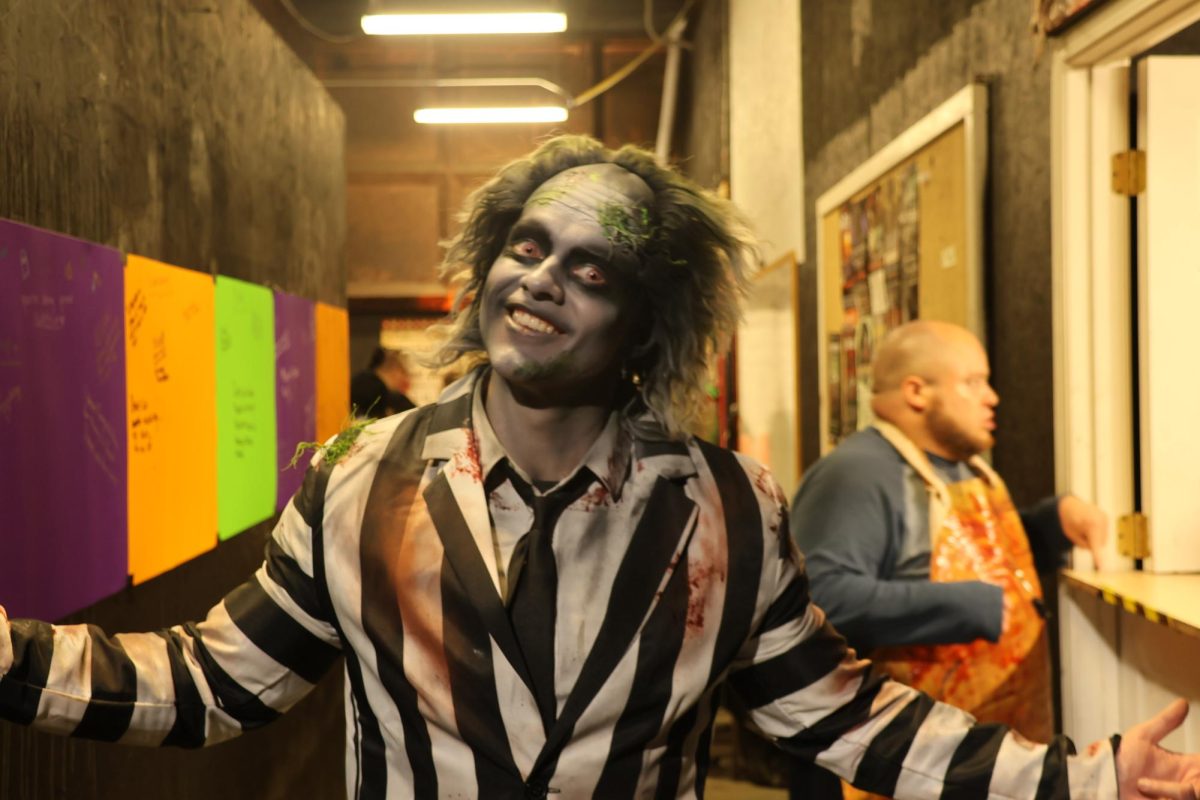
63 478
295 388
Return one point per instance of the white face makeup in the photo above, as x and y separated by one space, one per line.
557 306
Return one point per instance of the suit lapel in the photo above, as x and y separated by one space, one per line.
458 509
466 559
661 534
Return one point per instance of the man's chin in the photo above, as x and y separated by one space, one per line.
529 374
978 446
538 371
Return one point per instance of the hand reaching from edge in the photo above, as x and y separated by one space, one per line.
1084 524
1146 771
6 656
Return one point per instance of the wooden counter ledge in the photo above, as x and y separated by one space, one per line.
1171 600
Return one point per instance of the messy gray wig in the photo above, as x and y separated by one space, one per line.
695 252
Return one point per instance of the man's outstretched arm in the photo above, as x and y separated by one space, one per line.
259 650
807 691
818 701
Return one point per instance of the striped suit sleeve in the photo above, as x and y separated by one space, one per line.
811 694
258 651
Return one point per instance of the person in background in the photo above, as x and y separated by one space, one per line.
915 549
540 581
381 389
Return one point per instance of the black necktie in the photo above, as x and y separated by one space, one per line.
533 586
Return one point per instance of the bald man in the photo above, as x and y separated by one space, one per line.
914 548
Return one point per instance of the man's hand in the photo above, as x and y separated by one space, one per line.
6 655
1084 524
1145 770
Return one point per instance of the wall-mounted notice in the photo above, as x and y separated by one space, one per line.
295 388
333 370
62 423
171 376
245 339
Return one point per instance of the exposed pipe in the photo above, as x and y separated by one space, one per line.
666 112
417 83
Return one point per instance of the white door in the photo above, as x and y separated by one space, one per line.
1168 219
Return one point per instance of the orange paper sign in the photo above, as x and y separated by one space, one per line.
333 370
171 379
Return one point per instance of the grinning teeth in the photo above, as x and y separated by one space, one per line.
527 320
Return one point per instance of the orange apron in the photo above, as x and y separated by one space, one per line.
977 535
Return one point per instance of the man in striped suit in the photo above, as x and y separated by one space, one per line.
539 582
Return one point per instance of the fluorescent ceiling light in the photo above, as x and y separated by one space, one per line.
466 116
431 24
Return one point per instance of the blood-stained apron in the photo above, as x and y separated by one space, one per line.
977 535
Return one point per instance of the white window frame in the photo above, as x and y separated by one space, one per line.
1092 331
1093 414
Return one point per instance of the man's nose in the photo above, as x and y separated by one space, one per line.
543 281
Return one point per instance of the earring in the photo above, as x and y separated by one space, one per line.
631 375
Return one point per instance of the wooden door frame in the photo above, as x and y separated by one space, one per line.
1092 322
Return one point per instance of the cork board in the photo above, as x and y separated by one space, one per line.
899 239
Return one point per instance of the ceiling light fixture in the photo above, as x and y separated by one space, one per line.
454 24
484 115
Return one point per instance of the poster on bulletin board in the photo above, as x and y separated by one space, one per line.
295 389
246 448
898 239
172 412
62 421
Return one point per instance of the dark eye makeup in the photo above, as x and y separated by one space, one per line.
529 243
590 275
525 249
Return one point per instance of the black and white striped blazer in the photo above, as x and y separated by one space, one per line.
388 558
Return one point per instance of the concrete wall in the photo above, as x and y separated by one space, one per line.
766 162
189 133
871 69
701 146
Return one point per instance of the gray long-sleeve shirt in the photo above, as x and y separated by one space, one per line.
861 518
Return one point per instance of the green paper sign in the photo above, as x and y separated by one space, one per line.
245 316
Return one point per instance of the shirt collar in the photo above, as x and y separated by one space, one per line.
607 458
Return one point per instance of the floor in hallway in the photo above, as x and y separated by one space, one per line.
727 789
725 779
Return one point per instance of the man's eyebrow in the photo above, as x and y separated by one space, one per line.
527 227
592 257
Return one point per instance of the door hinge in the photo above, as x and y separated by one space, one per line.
1133 535
1129 172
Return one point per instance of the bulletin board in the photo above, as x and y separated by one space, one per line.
899 238
768 348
